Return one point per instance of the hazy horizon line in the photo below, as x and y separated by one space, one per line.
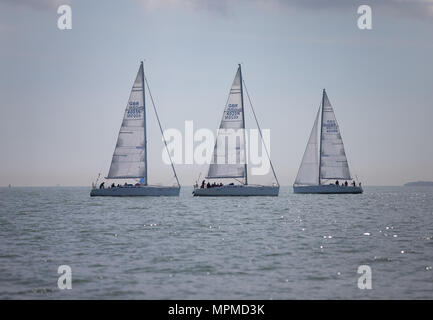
188 186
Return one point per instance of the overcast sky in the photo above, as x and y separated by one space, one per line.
63 93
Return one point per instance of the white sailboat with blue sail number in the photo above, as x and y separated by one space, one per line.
129 161
324 167
232 126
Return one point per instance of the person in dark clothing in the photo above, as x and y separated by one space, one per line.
353 183
203 184
113 185
101 186
346 184
208 185
337 183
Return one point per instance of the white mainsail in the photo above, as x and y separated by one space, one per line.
229 157
308 173
333 161
129 157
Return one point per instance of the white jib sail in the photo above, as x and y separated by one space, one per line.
308 173
333 157
228 160
129 155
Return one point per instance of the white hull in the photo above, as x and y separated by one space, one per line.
154 191
237 190
327 189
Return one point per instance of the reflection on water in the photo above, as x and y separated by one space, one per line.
289 247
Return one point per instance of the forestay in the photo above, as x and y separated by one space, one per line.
130 153
228 160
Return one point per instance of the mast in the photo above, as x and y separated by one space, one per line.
144 120
243 120
321 128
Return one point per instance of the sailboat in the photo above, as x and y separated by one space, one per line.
233 127
324 167
130 154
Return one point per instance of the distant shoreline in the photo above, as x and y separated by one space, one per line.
419 184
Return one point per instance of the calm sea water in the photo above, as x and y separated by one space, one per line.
289 247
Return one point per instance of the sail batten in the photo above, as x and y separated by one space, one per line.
229 158
129 156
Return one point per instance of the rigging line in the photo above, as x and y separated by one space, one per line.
160 128
238 180
260 131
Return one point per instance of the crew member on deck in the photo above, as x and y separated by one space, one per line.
101 186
